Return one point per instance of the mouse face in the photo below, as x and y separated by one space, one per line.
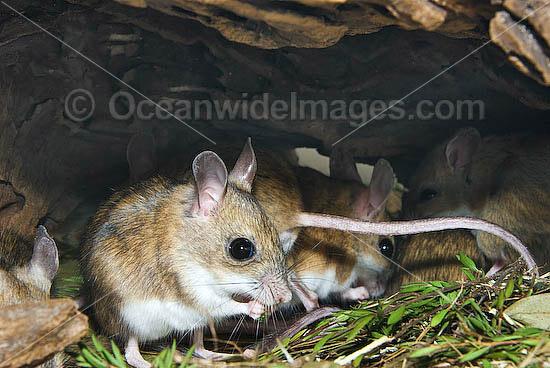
444 184
331 262
437 190
26 270
353 266
374 261
239 251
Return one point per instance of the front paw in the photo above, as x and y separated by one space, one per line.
255 309
355 294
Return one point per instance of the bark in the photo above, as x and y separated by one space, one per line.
32 332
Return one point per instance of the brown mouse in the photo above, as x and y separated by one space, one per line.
503 180
432 257
27 270
336 263
167 256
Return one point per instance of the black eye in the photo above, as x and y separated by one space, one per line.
427 194
386 247
241 249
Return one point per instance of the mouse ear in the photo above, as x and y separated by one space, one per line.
373 199
211 179
462 147
44 261
342 166
244 171
141 156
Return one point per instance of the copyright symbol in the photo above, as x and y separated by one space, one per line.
79 105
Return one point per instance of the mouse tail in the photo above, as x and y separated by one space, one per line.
306 219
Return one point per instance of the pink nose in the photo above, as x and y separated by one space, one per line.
285 295
278 289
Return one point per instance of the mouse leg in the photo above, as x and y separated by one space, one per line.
202 352
355 294
132 354
309 299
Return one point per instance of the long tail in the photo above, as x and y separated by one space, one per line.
415 227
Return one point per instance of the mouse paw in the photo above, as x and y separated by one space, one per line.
255 309
355 294
133 356
249 354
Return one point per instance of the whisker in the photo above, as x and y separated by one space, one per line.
237 327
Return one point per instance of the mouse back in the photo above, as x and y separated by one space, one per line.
432 257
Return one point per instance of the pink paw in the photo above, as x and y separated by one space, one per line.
358 293
255 309
249 354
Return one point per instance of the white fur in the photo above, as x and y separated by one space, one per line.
34 275
325 283
215 294
153 319
287 239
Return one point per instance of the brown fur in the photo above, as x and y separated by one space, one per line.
18 282
432 256
275 185
507 183
143 239
16 278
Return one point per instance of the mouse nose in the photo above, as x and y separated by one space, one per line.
285 296
279 289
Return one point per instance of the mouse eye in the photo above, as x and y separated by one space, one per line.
386 247
428 194
241 249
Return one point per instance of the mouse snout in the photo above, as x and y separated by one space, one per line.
276 289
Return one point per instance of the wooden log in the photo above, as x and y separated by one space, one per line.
31 332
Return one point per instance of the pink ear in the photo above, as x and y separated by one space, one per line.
244 171
141 156
44 260
462 147
342 166
373 199
211 180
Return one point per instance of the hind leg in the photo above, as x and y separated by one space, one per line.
132 354
202 352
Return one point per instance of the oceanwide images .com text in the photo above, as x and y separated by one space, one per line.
80 103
